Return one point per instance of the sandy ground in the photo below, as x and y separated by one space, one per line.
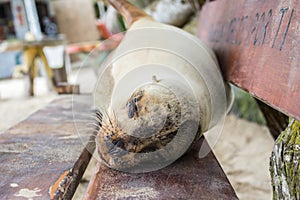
16 105
243 148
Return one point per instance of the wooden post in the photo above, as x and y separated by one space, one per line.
285 165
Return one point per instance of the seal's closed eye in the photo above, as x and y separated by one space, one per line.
132 105
132 109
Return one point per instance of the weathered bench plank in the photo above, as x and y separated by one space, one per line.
257 44
187 178
38 151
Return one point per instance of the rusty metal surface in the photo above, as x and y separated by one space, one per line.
37 151
187 178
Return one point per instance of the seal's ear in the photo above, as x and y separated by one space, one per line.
130 12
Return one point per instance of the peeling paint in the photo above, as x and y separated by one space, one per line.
14 185
28 194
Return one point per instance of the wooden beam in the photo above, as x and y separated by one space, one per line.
257 44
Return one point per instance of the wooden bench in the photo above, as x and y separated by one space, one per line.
43 157
42 150
256 44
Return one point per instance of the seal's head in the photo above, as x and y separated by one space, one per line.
151 127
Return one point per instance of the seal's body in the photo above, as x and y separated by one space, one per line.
147 122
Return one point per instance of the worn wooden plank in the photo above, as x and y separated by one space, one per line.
187 178
257 44
38 151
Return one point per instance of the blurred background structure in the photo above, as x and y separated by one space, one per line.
72 29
